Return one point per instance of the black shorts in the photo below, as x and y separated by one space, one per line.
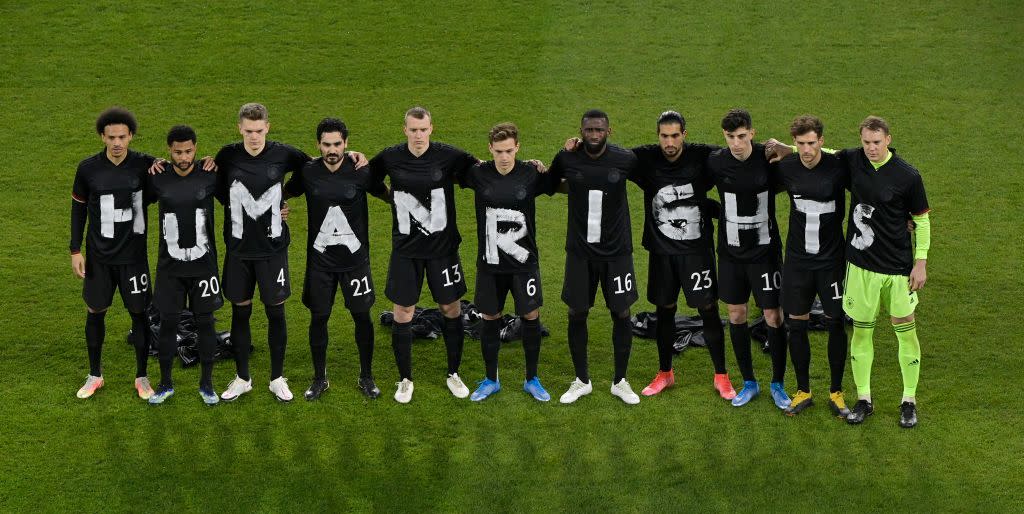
444 277
202 294
737 280
271 273
800 286
493 288
617 279
320 287
695 274
101 280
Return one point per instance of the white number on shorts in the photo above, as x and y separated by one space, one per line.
701 279
356 282
280 277
835 287
531 286
210 287
776 281
448 278
620 281
141 280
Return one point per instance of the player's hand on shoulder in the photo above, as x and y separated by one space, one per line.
572 144
159 166
358 158
284 211
209 164
541 168
775 150
78 264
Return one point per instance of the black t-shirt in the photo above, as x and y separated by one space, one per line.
675 199
598 215
114 198
250 189
747 231
338 234
187 244
423 207
506 214
881 203
817 205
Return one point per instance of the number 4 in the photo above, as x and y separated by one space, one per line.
280 277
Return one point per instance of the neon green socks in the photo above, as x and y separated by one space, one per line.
862 354
910 357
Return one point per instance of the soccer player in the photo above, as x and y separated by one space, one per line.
678 237
599 248
338 249
884 265
186 270
250 177
108 192
425 241
749 251
814 265
506 189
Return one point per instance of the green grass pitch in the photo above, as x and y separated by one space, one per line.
946 74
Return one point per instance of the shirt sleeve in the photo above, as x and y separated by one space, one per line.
464 162
295 185
221 192
917 201
296 158
149 193
80 187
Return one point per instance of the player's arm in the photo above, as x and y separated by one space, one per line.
919 209
557 174
79 213
377 188
221 191
464 162
358 158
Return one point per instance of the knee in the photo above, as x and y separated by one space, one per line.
900 321
275 313
451 310
204 319
403 314
578 316
532 315
621 315
737 314
773 317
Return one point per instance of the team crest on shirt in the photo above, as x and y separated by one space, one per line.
437 174
275 171
520 192
614 176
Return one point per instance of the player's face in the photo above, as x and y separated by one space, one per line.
809 147
183 154
332 147
504 153
116 139
740 142
670 139
875 143
594 132
417 133
254 133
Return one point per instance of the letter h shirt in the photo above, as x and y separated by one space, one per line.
747 231
114 199
506 215
187 244
423 206
250 188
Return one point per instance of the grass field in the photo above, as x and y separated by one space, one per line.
946 74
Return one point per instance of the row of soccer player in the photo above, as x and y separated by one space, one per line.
876 262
